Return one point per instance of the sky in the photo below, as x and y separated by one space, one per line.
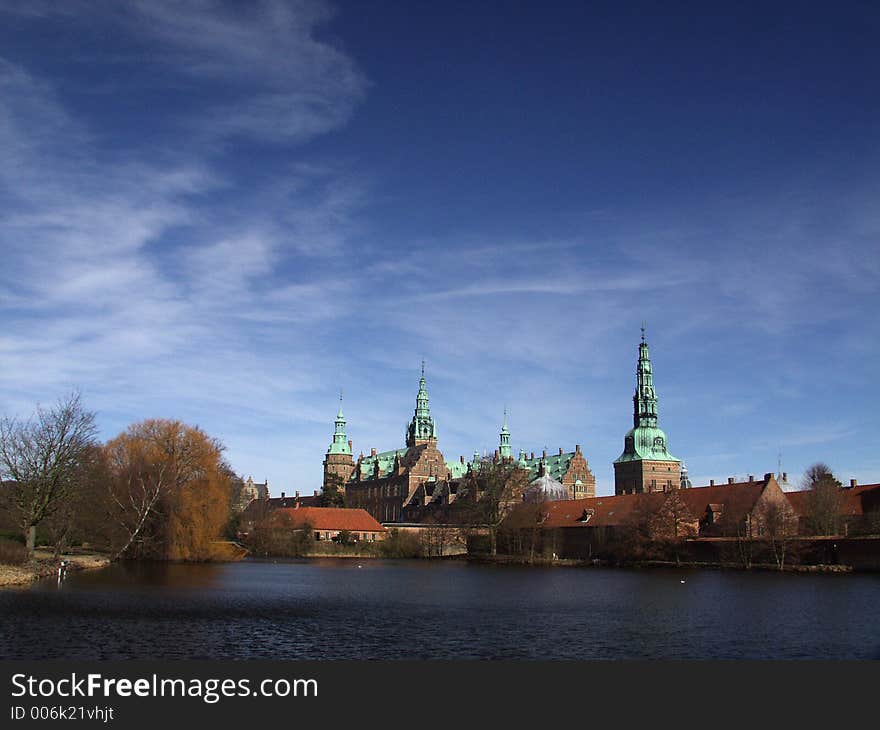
227 213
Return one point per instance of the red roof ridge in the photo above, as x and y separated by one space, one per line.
331 518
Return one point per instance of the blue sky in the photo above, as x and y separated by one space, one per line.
227 212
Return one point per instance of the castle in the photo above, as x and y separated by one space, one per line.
398 485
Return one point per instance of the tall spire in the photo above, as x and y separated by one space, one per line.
340 441
645 440
504 448
645 399
421 429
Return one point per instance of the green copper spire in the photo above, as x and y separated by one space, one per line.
645 440
504 448
421 428
645 399
340 442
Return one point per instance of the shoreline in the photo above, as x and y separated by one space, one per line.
43 566
648 564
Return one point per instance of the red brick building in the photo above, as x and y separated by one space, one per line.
327 522
580 528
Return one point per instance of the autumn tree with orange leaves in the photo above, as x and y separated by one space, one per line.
169 491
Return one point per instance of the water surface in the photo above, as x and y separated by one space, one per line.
342 609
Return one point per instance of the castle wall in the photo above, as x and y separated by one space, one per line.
635 477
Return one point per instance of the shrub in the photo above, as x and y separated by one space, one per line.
399 544
12 552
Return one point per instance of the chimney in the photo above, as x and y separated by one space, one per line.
730 480
577 448
711 482
785 476
496 454
372 452
560 451
316 492
533 454
768 476
544 454
751 477
853 482
296 494
461 458
282 495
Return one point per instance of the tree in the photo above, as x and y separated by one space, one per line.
777 522
672 524
82 515
634 538
825 501
744 531
494 489
279 535
169 491
333 493
533 515
42 457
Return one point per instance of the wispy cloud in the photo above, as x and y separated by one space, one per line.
200 259
121 280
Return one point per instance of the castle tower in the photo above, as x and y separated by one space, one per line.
685 482
421 429
645 464
504 447
338 460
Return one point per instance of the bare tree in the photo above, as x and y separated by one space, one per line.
494 489
825 501
745 530
777 523
671 524
42 457
82 514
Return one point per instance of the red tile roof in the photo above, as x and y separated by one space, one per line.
736 500
326 518
854 500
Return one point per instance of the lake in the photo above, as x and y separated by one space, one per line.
378 609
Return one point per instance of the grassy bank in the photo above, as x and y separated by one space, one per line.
43 566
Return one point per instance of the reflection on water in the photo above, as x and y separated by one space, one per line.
343 609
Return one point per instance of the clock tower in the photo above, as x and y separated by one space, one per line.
645 464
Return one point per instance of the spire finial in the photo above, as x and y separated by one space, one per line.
643 330
423 367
